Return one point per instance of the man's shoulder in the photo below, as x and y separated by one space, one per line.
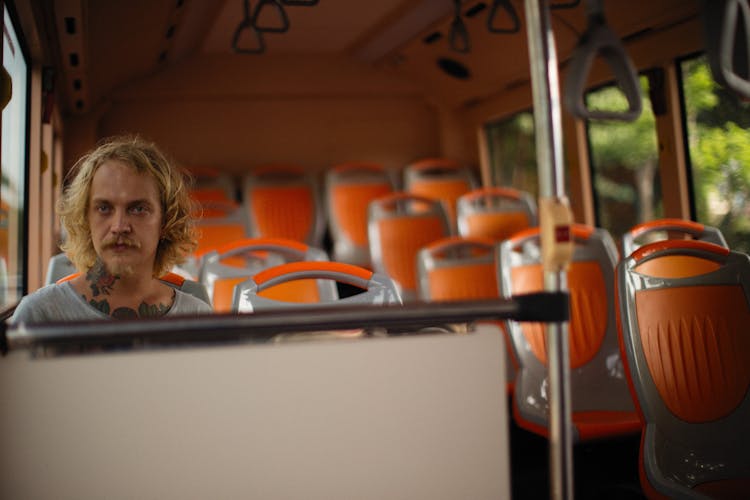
49 291
48 303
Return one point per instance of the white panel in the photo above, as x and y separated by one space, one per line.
387 418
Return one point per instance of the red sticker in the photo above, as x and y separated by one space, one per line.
562 234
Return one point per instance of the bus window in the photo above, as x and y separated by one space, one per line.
14 119
719 151
624 163
512 152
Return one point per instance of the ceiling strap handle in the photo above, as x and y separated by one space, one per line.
600 40
728 43
515 22
283 19
459 35
246 25
300 3
565 5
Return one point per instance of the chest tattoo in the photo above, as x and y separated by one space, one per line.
144 310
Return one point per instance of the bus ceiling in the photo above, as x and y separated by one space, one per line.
456 52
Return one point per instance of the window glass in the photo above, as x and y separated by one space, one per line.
719 148
624 163
12 237
512 152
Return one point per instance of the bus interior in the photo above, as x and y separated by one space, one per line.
496 176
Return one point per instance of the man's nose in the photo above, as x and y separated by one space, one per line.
120 222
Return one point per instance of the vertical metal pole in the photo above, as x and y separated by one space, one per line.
548 128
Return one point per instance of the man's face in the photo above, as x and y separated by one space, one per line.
125 216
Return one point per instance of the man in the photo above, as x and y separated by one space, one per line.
127 214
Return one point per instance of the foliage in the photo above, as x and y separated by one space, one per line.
720 154
616 144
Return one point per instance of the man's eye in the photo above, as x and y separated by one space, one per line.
138 209
102 209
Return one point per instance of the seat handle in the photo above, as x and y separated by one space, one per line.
338 271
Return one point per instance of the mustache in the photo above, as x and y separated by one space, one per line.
112 241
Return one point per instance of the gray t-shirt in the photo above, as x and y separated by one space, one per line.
62 303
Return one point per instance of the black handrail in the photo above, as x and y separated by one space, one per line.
46 339
515 22
600 40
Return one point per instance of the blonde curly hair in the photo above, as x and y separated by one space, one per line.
178 234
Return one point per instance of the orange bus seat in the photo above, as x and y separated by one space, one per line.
283 202
441 179
684 311
350 187
457 268
378 289
211 183
229 265
58 267
601 402
663 229
495 213
399 225
218 223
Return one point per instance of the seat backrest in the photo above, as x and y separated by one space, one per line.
227 266
378 289
58 267
350 187
457 268
174 280
211 183
662 229
684 311
495 212
283 202
598 383
441 179
399 225
208 195
218 223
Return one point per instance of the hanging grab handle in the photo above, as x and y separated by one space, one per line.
599 39
283 19
302 3
459 35
515 23
728 51
565 5
248 24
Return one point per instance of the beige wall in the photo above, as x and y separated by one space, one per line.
235 112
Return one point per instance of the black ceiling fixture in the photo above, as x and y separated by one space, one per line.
251 28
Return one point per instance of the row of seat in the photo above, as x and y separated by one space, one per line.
658 339
284 202
658 343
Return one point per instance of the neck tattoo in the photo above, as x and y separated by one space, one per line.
101 282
